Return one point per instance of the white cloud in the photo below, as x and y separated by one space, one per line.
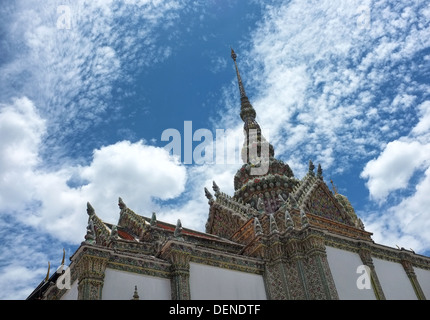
423 126
407 223
21 129
139 173
394 167
316 68
70 73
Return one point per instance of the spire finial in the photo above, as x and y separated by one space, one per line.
239 79
334 187
135 294
233 54
248 115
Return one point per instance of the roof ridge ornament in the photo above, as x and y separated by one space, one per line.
47 274
121 204
334 187
178 229
153 221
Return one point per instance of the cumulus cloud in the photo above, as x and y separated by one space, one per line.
394 167
405 224
137 172
407 221
21 130
54 200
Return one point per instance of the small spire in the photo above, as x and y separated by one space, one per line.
289 223
304 218
260 205
311 168
114 233
273 224
178 229
319 172
153 221
135 294
257 227
334 187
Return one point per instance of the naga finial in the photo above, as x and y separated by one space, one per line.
90 209
215 188
121 204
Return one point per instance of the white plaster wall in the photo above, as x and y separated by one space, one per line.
423 277
343 265
119 285
72 293
210 283
394 281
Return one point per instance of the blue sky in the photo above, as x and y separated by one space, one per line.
82 112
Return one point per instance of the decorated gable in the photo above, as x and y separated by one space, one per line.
322 203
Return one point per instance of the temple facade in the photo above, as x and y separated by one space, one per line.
276 237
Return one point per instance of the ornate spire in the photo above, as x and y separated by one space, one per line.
239 79
254 138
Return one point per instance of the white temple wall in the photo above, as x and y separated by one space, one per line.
72 293
119 285
394 281
423 277
207 282
344 266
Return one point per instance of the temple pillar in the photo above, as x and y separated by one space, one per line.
297 283
179 257
91 272
317 269
275 271
409 269
366 258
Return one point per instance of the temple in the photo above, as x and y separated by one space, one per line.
276 237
